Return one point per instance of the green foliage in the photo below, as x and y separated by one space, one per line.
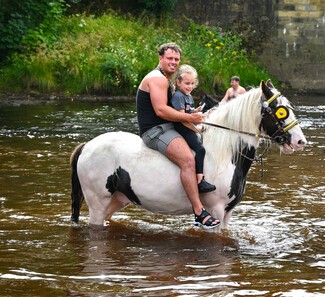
218 56
47 31
24 24
28 73
109 55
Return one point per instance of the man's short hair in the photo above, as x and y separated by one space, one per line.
236 78
164 47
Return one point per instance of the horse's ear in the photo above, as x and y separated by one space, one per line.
265 89
263 86
270 84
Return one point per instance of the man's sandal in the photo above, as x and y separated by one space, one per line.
208 224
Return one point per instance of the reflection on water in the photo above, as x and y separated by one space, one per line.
274 246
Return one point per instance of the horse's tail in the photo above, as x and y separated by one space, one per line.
77 196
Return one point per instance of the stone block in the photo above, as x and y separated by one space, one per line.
317 14
293 14
295 2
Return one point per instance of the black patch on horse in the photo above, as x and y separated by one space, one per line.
238 181
120 181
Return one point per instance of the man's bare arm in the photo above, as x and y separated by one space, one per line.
226 97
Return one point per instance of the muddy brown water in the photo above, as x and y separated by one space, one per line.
274 246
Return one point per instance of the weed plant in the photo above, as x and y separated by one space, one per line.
109 55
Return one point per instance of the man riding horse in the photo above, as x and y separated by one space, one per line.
155 116
116 169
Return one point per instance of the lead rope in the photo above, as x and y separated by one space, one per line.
259 158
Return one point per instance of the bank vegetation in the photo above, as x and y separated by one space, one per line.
109 54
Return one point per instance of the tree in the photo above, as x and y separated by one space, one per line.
27 23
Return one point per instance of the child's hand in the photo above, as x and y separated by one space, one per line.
198 109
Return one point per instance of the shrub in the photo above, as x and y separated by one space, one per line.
219 55
111 54
28 23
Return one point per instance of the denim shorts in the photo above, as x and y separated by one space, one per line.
159 137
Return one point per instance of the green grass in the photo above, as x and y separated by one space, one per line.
109 55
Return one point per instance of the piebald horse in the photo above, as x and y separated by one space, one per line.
116 168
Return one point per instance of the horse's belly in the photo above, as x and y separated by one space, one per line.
149 176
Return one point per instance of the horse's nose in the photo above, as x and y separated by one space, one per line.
300 144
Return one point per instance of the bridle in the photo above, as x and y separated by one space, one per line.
272 122
273 118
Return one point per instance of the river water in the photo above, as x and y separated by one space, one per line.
274 246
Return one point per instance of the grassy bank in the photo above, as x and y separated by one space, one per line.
109 55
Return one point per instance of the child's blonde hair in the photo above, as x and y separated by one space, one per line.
186 69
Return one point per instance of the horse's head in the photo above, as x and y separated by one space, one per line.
208 102
279 121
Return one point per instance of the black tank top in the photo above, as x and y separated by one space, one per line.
146 115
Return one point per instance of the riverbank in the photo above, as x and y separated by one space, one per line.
37 98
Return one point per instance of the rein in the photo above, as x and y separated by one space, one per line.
241 132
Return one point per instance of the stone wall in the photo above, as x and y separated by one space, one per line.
297 55
289 35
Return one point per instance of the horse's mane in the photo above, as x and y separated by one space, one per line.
241 114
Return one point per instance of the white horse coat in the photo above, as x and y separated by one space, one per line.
117 168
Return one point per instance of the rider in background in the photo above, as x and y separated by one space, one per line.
155 119
235 89
186 80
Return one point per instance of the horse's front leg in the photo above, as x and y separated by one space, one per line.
217 210
223 216
226 219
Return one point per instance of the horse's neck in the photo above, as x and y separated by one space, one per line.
241 114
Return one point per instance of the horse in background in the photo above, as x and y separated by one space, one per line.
116 169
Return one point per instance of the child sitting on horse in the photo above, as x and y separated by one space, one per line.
186 79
